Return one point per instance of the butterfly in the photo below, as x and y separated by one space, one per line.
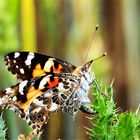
46 85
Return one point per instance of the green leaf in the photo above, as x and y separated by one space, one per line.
107 124
2 129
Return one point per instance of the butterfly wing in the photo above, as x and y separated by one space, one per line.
37 98
28 65
26 92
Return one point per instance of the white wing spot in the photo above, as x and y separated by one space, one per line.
17 54
7 57
47 94
22 71
38 103
8 90
4 99
29 58
61 87
28 62
17 66
49 64
14 61
21 86
43 82
14 98
53 107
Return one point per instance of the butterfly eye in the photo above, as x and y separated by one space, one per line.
83 69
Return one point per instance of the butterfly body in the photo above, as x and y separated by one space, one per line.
46 85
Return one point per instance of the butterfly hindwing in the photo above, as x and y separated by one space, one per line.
46 86
28 65
35 99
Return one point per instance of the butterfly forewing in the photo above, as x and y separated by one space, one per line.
27 65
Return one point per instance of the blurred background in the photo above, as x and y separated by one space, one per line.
64 29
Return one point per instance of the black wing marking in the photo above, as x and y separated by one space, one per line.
24 63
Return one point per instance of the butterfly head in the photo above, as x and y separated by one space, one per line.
86 71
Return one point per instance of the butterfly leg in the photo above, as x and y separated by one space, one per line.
87 109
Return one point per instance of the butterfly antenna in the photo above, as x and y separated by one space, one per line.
104 54
89 46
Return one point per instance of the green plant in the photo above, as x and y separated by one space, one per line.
110 125
2 129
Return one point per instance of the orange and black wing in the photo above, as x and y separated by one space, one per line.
29 90
28 65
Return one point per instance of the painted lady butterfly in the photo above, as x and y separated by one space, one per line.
47 85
